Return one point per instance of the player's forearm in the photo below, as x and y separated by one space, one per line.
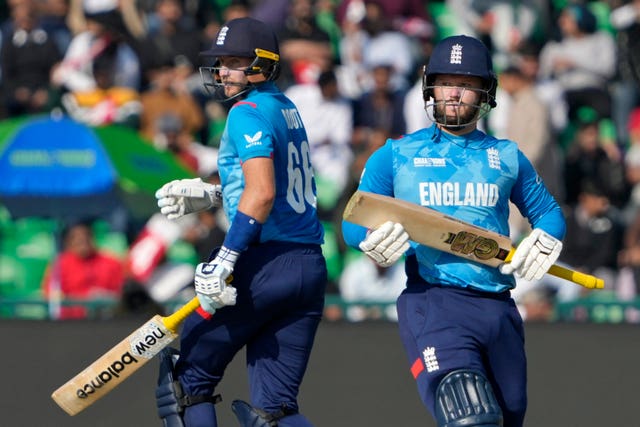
259 193
552 222
353 234
256 205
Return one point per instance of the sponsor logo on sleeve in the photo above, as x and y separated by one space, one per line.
253 140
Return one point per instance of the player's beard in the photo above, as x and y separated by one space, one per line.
454 114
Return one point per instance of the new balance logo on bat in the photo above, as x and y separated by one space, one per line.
146 343
113 371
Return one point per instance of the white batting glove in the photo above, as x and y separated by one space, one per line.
533 256
386 244
184 196
211 281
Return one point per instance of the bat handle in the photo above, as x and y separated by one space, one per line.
173 321
582 279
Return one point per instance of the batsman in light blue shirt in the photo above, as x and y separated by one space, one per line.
459 325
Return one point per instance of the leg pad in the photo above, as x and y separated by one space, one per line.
465 398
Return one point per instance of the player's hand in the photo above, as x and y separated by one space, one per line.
211 281
184 196
386 244
533 256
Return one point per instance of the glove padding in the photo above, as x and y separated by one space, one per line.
533 256
184 196
386 244
211 281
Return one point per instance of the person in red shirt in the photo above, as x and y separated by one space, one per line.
81 271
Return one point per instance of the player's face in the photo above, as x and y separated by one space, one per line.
457 98
232 74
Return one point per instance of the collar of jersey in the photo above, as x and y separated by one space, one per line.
266 87
472 139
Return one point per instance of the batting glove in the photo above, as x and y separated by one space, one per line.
533 256
386 244
211 281
184 196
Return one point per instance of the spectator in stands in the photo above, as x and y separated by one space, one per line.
384 45
571 62
171 34
527 58
105 29
168 93
27 55
53 19
351 72
594 233
82 272
272 12
304 46
319 104
129 12
588 158
410 17
502 25
625 19
368 40
629 256
325 13
632 165
106 103
364 281
381 108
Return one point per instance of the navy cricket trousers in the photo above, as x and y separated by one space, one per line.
444 329
280 301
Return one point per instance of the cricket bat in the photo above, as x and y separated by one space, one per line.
445 233
122 361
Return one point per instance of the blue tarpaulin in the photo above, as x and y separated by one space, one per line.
55 158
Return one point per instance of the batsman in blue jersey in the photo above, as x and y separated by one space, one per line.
272 247
461 330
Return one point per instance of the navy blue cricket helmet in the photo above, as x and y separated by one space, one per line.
461 55
249 38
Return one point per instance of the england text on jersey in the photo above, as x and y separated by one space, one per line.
458 194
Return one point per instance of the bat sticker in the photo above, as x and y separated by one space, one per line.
480 247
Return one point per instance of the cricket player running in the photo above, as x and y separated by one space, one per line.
272 247
461 330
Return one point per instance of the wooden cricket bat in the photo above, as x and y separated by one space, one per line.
124 359
446 233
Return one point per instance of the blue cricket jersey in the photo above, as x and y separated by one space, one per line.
470 177
267 124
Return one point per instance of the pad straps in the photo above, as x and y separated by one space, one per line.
185 400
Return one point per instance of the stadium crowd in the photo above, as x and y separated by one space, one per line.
569 94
